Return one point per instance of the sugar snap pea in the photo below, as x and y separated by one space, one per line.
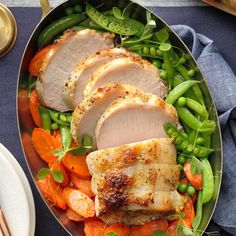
183 143
169 68
198 216
179 90
207 126
197 107
126 26
45 118
56 118
196 90
57 27
207 181
65 137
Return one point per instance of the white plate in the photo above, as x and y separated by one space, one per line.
16 198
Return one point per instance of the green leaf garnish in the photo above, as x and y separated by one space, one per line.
117 13
150 25
164 47
112 234
127 10
43 173
187 231
57 176
162 35
159 233
57 152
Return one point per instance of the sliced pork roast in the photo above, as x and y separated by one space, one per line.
65 54
128 70
132 119
86 115
135 183
79 77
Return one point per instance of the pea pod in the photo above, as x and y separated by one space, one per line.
179 90
169 68
197 107
196 90
184 144
198 217
45 118
207 181
55 117
207 126
65 137
125 26
57 27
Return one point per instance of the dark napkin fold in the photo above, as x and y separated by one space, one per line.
222 83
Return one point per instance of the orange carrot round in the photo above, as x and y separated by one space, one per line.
119 229
94 227
83 185
79 202
71 215
33 105
45 144
194 179
37 61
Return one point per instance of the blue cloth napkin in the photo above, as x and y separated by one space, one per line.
222 83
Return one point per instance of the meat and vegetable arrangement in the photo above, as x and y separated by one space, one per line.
121 125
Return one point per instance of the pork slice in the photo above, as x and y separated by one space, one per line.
79 77
133 119
131 71
88 112
65 54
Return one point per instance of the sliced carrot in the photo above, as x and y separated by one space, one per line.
79 202
45 144
194 179
94 228
52 192
33 105
72 215
171 231
83 185
119 229
57 135
37 61
149 228
189 213
58 166
76 165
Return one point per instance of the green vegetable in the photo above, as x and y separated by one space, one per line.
182 60
191 190
163 74
77 8
197 107
69 11
43 173
146 50
168 67
198 216
161 36
57 176
65 137
159 233
157 63
200 141
45 118
180 167
179 90
207 181
126 26
54 126
112 234
62 118
57 27
182 101
207 126
30 84
181 159
191 73
56 117
184 144
182 187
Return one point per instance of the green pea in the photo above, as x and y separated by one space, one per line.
62 118
157 63
185 135
184 145
180 167
77 8
182 187
182 60
68 119
56 115
146 50
181 159
159 52
202 153
69 11
191 73
163 74
163 66
200 140
153 51
191 190
182 101
190 148
170 130
178 140
54 126
196 150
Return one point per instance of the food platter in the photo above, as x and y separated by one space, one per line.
26 124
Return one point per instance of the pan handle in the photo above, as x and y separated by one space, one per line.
45 7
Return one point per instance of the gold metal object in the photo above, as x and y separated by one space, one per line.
45 7
8 30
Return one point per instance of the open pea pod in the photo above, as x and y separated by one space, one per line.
138 14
